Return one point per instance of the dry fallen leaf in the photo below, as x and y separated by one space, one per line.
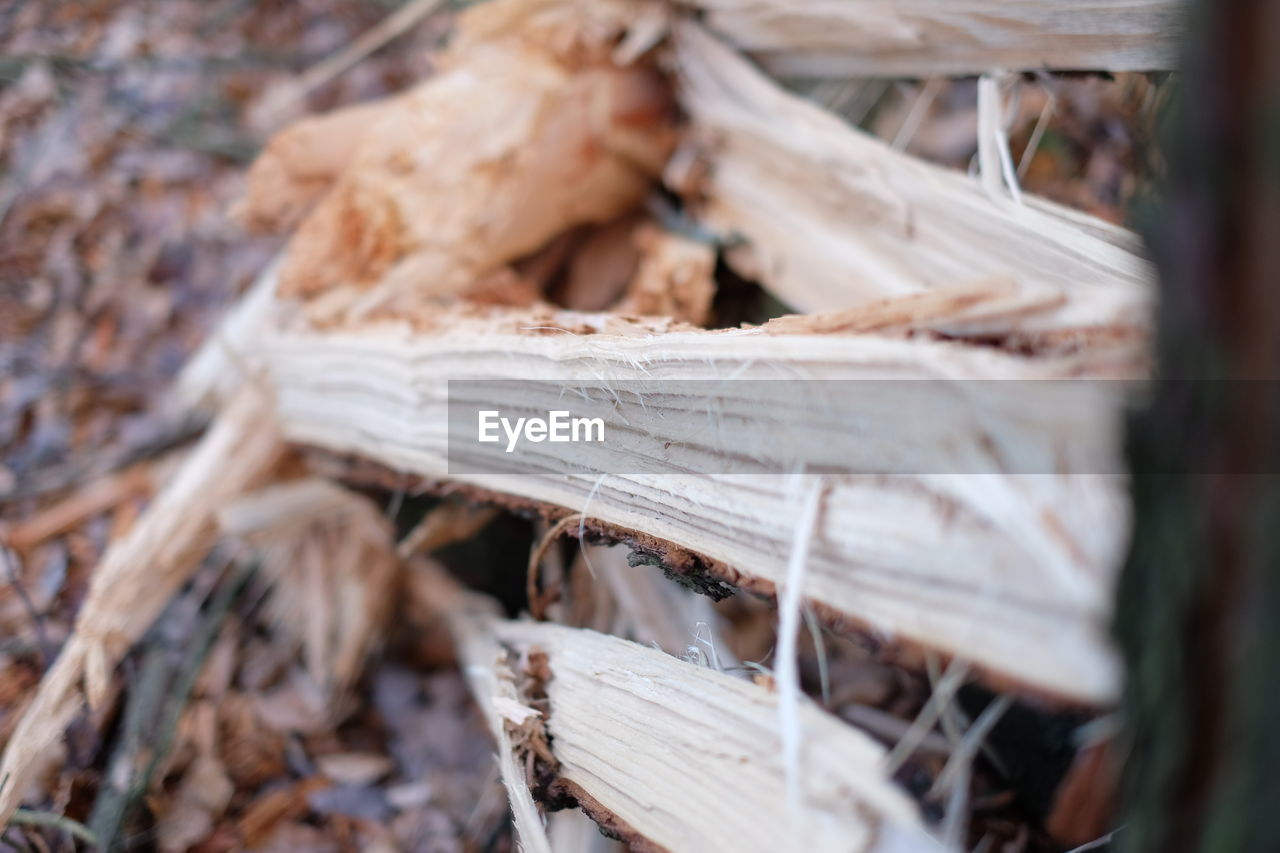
355 768
200 800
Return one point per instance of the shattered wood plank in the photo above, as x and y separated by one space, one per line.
1010 572
835 218
681 757
96 498
918 38
137 577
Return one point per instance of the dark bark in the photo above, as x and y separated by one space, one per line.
1198 610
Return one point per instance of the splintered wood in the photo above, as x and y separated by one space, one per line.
328 554
488 668
940 560
916 38
985 568
642 737
834 218
642 742
421 196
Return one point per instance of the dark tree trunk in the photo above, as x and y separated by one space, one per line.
1198 611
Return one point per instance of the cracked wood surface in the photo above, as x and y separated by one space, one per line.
1011 572
688 757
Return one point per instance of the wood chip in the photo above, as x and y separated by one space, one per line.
84 503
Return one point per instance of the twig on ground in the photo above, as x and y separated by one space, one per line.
47 649
955 822
890 729
538 602
27 817
153 713
929 714
390 28
93 499
444 525
1042 124
970 743
919 109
